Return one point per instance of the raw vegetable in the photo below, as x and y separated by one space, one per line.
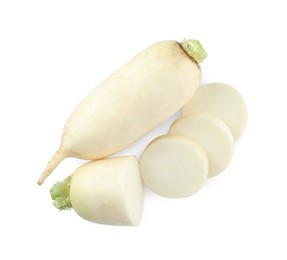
221 101
212 135
174 166
139 96
107 191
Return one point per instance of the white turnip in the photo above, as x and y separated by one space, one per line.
139 96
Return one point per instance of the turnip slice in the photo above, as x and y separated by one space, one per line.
139 96
222 101
174 166
212 135
107 191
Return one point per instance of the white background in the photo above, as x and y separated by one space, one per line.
52 53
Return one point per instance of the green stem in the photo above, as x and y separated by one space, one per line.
60 193
194 49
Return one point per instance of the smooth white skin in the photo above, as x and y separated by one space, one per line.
222 101
212 135
108 191
174 166
142 94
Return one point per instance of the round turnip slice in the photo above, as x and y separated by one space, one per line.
174 166
212 135
222 101
108 191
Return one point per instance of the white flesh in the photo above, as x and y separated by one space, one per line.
139 96
108 191
174 166
222 101
212 135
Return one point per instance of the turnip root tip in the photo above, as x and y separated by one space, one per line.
57 158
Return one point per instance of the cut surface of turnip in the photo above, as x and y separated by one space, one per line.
221 101
212 135
106 191
174 166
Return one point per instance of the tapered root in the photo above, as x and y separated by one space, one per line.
57 158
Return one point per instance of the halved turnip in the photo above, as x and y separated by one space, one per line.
107 191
